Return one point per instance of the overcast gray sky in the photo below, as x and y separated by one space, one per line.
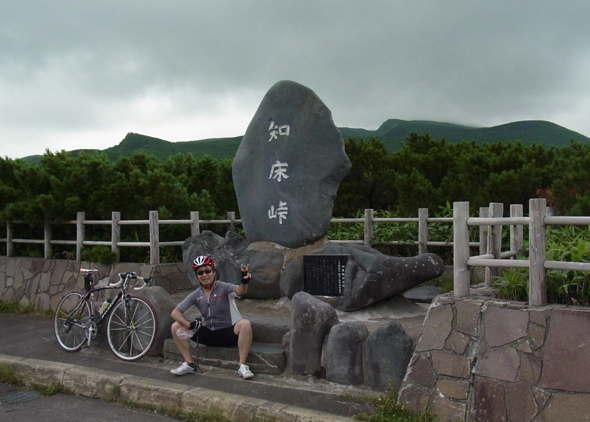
82 74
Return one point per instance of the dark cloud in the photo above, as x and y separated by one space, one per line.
95 70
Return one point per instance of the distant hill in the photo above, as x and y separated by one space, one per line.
392 132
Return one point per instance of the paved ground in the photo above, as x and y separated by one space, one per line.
32 337
285 398
27 406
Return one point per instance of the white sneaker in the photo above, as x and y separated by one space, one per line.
185 368
244 372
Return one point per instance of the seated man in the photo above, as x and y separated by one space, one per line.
223 325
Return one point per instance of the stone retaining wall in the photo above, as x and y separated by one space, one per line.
483 359
42 282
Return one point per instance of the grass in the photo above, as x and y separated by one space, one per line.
17 308
387 410
568 287
7 376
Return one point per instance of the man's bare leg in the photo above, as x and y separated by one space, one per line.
183 345
243 330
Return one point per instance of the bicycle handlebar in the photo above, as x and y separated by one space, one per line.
122 277
131 275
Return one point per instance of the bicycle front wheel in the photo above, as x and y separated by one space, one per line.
132 328
72 318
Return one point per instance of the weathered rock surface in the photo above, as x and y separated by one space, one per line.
344 353
388 352
311 321
278 271
288 168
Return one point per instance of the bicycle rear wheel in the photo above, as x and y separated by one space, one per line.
72 317
132 334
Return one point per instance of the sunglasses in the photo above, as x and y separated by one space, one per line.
204 272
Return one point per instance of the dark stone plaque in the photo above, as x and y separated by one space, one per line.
323 275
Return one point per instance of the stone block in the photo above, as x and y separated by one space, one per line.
468 315
499 363
446 410
488 401
520 402
503 326
414 398
344 353
143 391
231 406
457 342
447 363
387 354
35 371
437 328
311 320
454 389
96 383
567 352
420 371
566 407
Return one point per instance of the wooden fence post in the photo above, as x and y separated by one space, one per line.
422 230
47 233
484 212
116 234
80 233
9 237
494 242
461 276
195 229
231 216
516 230
537 252
154 238
368 229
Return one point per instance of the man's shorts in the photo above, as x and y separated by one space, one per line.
224 337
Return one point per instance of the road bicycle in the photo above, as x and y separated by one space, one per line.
131 322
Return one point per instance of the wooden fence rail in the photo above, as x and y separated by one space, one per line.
195 223
490 222
493 258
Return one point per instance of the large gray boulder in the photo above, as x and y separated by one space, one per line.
277 271
372 276
163 305
311 321
344 353
388 352
288 168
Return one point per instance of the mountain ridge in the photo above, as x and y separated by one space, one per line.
392 132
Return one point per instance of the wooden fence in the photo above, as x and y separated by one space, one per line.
195 223
493 258
490 222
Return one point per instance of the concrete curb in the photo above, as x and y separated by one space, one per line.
113 386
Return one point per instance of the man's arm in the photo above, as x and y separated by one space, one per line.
178 316
242 289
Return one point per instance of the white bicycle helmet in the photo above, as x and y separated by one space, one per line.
203 260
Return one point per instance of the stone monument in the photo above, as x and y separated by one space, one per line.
286 173
288 168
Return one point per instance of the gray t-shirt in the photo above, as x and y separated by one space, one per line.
220 311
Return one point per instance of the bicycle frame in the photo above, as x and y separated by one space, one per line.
96 317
